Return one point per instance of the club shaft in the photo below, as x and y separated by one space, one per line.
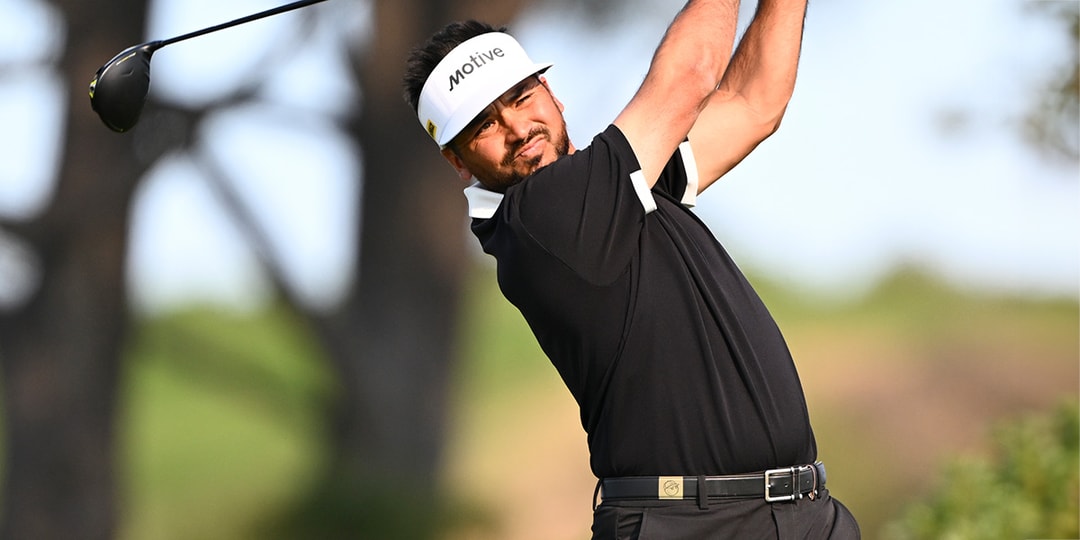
242 20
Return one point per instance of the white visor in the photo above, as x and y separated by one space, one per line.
469 79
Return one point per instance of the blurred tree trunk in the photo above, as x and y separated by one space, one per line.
392 340
412 258
60 349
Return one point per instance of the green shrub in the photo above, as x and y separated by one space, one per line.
1028 490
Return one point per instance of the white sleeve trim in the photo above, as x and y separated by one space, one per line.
641 187
482 203
689 198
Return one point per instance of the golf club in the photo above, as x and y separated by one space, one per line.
119 88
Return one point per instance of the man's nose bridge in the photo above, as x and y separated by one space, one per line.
514 121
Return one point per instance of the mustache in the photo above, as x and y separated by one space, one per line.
538 131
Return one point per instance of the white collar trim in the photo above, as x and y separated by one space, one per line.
482 203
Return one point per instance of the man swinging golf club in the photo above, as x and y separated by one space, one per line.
696 420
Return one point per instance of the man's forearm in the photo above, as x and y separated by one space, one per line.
764 67
685 70
754 92
693 55
699 41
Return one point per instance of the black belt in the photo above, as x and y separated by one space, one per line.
774 485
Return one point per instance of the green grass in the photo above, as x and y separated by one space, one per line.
222 424
222 421
911 304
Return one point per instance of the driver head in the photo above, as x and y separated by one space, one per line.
119 88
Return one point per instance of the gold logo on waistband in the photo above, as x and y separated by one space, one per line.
670 487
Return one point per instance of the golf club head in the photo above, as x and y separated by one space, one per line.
119 88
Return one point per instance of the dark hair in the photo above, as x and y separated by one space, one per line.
424 58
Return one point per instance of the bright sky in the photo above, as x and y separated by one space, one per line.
859 178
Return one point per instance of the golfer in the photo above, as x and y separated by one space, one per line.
696 420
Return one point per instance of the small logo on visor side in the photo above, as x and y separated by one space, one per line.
432 129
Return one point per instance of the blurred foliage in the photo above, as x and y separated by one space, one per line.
911 303
1031 489
1053 124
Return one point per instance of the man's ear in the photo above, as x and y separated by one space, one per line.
457 164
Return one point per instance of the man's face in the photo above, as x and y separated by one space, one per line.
520 132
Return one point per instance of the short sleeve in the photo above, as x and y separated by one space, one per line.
679 179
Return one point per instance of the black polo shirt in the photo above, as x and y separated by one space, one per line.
676 364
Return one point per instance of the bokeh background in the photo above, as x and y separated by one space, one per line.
259 313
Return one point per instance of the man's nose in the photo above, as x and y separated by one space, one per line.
516 123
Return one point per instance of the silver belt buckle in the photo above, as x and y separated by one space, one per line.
794 487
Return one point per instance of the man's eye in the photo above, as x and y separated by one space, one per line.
524 98
484 127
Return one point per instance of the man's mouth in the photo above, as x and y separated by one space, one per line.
533 149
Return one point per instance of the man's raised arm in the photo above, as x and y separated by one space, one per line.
685 71
754 93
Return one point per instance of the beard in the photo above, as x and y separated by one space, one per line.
517 174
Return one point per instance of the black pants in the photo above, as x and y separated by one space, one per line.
822 518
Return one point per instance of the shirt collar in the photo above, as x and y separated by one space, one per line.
482 203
